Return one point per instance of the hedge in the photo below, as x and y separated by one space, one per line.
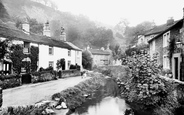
43 76
10 81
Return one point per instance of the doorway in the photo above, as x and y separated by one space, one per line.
176 60
176 67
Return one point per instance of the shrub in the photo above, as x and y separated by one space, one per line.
87 60
72 66
43 76
60 64
145 88
10 81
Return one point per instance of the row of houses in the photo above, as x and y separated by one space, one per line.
50 49
160 40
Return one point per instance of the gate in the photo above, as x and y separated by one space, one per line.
26 78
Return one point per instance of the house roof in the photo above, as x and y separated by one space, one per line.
166 29
73 46
15 34
99 52
159 29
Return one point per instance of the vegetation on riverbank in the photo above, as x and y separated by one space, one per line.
144 89
78 94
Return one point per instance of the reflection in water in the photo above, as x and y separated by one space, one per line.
108 106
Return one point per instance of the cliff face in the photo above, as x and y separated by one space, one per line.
27 8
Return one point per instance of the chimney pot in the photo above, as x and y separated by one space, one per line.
170 21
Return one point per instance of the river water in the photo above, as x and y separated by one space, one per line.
108 106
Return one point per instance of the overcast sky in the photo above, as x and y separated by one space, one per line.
135 11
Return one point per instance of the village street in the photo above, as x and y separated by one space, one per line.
32 93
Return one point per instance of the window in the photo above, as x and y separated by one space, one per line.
51 64
166 62
69 52
26 49
166 38
77 52
69 63
51 50
152 48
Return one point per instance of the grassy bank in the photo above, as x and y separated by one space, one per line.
81 93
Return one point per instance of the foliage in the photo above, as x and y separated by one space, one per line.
34 58
75 95
17 56
60 64
145 88
131 33
4 49
43 76
117 52
171 47
35 26
27 110
75 67
137 49
86 60
10 81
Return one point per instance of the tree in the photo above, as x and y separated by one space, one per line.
86 60
116 53
34 58
3 48
17 56
35 27
60 64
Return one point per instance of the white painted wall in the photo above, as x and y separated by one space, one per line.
45 57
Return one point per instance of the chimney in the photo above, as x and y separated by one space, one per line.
170 21
25 26
46 29
63 34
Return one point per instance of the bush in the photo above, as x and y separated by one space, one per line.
10 81
86 60
28 110
60 64
43 76
144 89
72 66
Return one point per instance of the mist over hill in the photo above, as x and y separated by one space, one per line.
79 29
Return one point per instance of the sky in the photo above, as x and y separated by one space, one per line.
110 12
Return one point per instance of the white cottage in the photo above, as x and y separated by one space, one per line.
50 50
56 49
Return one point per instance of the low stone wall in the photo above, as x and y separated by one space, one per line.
69 73
43 76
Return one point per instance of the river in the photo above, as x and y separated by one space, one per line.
108 106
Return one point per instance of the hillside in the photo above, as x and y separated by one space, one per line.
79 29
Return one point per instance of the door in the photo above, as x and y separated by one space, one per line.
176 60
176 67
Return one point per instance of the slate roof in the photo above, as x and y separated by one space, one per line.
15 34
99 52
159 29
73 46
167 29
